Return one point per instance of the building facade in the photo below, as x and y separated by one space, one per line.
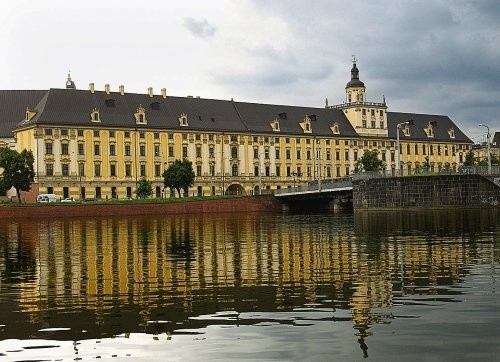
91 144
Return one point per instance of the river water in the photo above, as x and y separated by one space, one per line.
255 287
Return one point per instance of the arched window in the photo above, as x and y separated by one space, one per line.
235 170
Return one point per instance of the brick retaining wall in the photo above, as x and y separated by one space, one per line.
264 203
426 192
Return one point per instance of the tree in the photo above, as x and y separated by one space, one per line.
18 170
144 189
179 175
470 160
369 162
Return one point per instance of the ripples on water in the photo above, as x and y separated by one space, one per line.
254 287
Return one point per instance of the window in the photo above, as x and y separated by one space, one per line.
112 149
363 123
267 171
127 149
48 148
288 171
128 170
374 124
112 170
288 154
234 138
64 132
142 134
277 153
381 113
255 153
234 170
198 137
81 169
112 134
198 151
416 149
372 113
157 170
157 150
81 149
382 125
156 135
287 140
170 136
278 171
308 154
110 103
143 170
346 155
80 133
266 152
127 134
256 170
98 194
328 155
96 133
184 136
298 154
64 148
198 170
234 152
170 151
65 169
408 149
49 169
184 151
364 112
97 169
142 150
155 106
48 131
97 149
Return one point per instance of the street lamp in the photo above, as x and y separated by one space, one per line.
488 146
398 160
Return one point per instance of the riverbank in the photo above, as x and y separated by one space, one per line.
245 204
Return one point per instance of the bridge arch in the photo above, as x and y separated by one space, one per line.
235 189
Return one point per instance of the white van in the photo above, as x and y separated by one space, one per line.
46 198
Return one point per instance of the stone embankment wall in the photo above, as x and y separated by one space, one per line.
426 192
264 203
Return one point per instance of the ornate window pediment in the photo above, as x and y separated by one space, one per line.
275 125
406 130
429 130
94 115
183 120
306 124
335 128
140 115
451 132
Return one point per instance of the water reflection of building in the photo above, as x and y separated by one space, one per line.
181 266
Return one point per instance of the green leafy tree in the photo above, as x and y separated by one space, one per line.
484 161
369 162
470 160
179 176
18 170
144 189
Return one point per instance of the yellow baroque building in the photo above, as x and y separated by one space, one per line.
91 144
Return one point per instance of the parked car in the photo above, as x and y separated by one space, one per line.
46 198
68 199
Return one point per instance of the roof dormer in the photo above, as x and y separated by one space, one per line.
306 124
335 128
140 115
275 125
29 114
94 115
183 120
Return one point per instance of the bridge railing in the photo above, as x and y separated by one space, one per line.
464 170
314 186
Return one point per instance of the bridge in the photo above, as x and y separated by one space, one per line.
334 194
325 194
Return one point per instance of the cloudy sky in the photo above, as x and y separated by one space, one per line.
428 56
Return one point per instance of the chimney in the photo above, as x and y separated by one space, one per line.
91 87
106 88
150 91
121 88
164 92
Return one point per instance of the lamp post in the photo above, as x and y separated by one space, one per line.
318 158
398 160
488 146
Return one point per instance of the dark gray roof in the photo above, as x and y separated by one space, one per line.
13 105
258 117
496 140
441 126
71 107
